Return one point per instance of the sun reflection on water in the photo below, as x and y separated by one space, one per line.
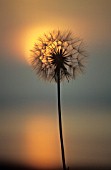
42 145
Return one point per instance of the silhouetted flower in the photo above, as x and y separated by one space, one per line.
57 56
58 52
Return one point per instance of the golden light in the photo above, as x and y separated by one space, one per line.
42 145
30 38
31 35
47 44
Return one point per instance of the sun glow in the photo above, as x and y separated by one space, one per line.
31 37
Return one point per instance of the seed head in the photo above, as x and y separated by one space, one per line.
58 53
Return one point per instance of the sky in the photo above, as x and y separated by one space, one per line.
88 98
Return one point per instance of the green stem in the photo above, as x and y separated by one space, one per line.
60 123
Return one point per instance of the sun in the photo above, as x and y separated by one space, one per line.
31 36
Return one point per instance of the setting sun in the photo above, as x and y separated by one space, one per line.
31 37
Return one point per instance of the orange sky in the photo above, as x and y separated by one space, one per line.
23 20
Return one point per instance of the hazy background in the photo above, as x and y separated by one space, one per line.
28 113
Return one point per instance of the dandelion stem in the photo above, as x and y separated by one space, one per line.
60 121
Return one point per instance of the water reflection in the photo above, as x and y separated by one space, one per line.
30 135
